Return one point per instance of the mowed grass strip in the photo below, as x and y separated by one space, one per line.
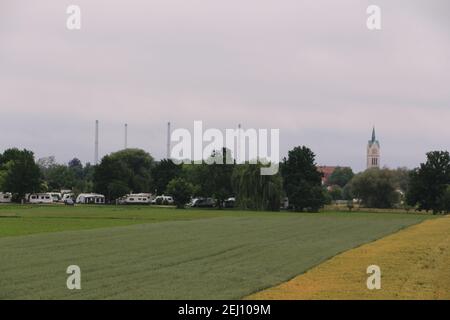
16 220
415 264
218 258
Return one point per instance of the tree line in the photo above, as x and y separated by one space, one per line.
135 171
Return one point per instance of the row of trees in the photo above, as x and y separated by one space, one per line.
425 188
133 170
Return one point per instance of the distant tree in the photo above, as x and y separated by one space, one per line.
347 192
163 172
429 182
197 175
130 168
327 196
181 191
340 177
255 191
446 200
219 174
59 177
20 174
56 176
46 162
376 188
117 189
76 167
336 193
401 178
302 180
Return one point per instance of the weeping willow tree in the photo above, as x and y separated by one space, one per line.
255 191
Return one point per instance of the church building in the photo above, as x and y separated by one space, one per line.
373 152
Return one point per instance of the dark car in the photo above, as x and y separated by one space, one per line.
204 203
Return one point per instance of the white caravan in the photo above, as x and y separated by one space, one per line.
56 196
5 197
138 198
90 198
40 198
68 196
163 200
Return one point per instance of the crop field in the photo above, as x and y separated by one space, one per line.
415 264
160 253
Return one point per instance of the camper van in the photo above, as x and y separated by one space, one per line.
137 198
5 197
68 196
90 198
164 200
40 198
56 196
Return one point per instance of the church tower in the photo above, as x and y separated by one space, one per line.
373 152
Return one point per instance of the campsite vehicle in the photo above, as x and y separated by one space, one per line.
57 197
229 203
165 200
136 198
68 196
90 198
40 198
69 202
5 197
203 203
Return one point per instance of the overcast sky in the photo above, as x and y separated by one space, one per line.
310 68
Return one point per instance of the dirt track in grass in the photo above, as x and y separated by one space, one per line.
415 264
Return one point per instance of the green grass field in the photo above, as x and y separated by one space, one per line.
157 253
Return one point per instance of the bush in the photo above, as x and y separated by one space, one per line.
181 191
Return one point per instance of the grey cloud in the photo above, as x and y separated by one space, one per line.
310 68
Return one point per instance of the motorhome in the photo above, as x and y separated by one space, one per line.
40 198
57 197
90 198
68 196
164 200
5 197
137 198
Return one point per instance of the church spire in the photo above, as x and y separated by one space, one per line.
373 134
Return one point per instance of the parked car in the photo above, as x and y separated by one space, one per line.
229 203
203 203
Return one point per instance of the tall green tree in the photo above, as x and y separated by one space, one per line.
219 173
181 191
429 182
340 177
20 173
302 181
123 172
376 188
163 172
255 191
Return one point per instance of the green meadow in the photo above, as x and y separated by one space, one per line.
164 253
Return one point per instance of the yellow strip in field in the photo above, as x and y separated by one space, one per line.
414 263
